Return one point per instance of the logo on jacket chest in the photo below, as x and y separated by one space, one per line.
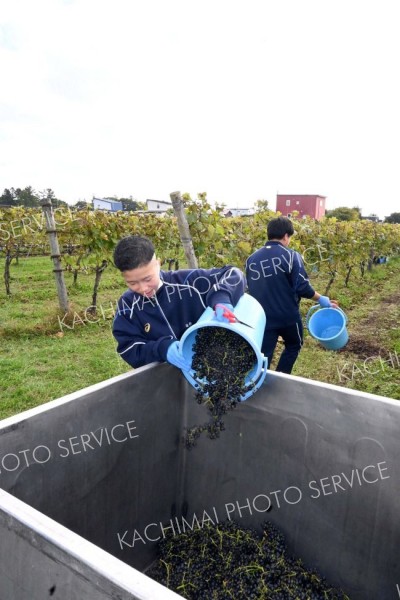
147 326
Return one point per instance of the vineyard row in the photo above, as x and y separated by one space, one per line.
88 238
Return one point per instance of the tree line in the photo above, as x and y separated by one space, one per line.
344 213
333 249
29 198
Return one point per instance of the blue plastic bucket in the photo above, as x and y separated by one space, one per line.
328 326
248 310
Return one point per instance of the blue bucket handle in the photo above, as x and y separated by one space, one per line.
309 313
318 306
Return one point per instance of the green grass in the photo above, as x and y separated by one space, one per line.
41 360
372 307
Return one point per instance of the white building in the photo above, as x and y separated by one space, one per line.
239 212
107 204
158 205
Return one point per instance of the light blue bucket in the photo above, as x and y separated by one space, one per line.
328 326
248 310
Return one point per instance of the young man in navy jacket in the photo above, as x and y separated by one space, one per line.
160 305
276 277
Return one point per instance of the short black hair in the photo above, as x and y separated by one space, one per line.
133 251
279 227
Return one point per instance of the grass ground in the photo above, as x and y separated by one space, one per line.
41 358
44 356
370 361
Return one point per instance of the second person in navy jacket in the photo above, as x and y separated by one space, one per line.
276 277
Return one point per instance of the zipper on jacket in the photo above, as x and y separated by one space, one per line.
166 320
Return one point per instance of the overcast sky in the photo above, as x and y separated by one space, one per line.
239 99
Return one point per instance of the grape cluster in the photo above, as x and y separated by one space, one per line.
224 562
221 359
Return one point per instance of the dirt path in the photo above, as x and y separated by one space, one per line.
370 361
370 336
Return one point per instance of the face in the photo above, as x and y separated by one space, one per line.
144 280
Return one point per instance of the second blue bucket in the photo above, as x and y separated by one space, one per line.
248 310
328 326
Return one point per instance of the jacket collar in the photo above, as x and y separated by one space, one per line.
275 242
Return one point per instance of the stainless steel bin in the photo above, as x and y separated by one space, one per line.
90 481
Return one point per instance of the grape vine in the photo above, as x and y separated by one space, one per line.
336 250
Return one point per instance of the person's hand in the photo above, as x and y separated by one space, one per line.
334 304
324 302
224 313
176 358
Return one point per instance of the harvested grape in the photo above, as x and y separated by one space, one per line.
225 562
221 359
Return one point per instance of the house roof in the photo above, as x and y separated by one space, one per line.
304 195
159 201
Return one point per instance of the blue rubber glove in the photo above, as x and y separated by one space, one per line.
176 358
324 302
220 309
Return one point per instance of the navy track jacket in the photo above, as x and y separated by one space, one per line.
145 327
276 277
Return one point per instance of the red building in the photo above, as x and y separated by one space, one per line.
305 204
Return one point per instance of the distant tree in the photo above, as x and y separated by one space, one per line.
129 204
343 213
393 218
82 204
141 205
8 198
219 207
27 197
261 205
50 195
47 193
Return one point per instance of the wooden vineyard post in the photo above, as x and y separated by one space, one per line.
55 254
371 259
184 231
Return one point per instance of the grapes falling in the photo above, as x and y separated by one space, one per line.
223 359
225 562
